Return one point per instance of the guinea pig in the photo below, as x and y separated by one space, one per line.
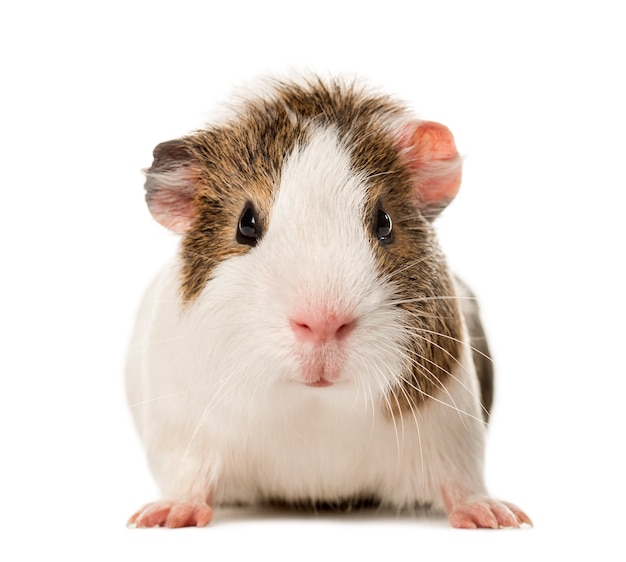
308 345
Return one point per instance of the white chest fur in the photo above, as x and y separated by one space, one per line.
275 438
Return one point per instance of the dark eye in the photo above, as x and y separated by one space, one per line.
248 230
383 227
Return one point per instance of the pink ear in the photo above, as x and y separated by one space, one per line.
432 156
171 186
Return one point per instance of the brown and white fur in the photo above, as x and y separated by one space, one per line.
325 355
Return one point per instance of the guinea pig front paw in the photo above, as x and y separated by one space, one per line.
487 513
172 514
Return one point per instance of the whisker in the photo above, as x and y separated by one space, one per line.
412 408
157 398
411 264
372 404
426 372
430 375
439 384
464 343
446 404
217 398
390 275
449 373
384 391
431 298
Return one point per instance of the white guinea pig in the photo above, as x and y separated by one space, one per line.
308 345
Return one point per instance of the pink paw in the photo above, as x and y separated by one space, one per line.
486 513
172 514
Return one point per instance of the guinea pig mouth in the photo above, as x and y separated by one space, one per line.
319 383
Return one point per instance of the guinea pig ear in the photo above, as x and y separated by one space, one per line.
432 157
171 184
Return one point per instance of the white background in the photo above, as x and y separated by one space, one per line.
534 93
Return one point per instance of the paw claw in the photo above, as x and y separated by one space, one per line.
522 518
172 514
486 513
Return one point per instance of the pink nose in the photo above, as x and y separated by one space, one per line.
318 330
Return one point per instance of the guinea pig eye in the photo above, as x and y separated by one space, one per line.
248 229
384 226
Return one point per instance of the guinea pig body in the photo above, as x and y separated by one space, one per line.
309 344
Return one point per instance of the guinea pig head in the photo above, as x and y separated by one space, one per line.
308 243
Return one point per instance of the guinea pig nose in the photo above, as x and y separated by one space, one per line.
320 329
